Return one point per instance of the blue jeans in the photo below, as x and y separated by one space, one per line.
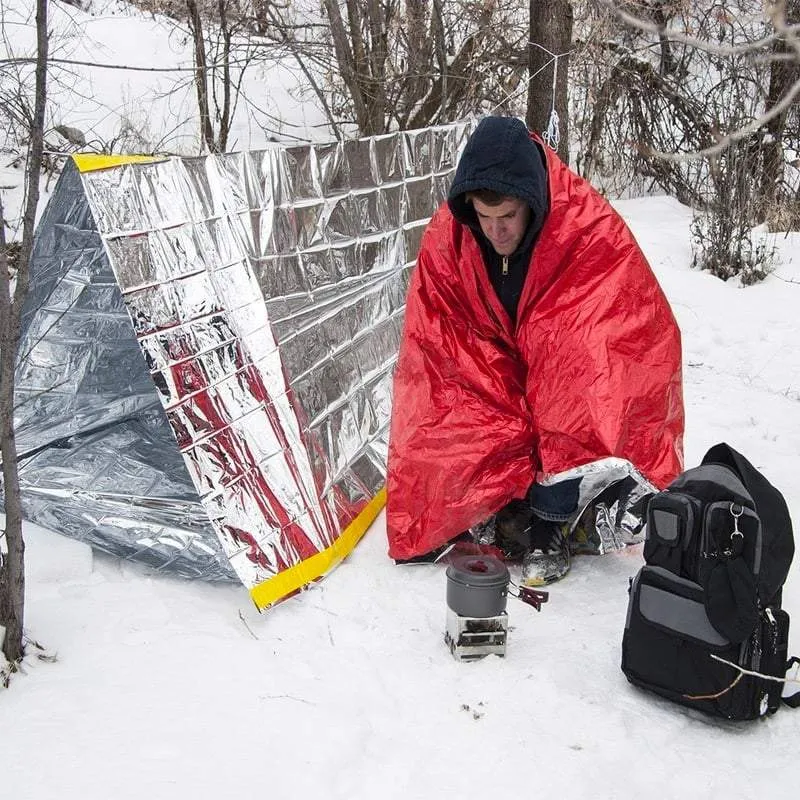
556 502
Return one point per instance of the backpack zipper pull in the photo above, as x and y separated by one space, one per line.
505 265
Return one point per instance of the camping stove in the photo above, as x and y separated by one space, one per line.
477 622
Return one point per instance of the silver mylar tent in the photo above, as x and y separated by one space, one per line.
205 373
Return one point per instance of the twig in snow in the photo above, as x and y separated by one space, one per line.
7 671
754 674
43 654
717 694
9 668
285 697
785 280
742 672
244 622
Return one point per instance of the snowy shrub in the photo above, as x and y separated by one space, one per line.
725 247
725 241
133 136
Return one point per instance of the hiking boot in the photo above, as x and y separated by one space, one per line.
584 539
512 529
548 559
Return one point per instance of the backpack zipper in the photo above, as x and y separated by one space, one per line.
771 648
773 629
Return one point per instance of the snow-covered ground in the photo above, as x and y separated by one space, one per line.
169 689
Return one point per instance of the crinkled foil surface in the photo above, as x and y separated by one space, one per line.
204 380
610 505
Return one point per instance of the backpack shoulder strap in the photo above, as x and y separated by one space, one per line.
768 500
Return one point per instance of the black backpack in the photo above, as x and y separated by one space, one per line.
705 610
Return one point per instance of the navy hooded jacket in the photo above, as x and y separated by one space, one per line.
501 156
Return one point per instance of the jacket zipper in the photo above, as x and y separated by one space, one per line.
505 265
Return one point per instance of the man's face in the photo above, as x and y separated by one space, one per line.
503 225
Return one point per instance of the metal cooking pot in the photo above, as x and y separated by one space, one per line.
477 586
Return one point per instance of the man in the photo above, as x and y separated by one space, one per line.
536 341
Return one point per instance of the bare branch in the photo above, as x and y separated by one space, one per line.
741 673
284 33
742 133
705 45
96 64
752 673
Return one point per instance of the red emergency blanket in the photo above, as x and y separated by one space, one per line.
480 410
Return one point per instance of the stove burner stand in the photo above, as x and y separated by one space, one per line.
477 622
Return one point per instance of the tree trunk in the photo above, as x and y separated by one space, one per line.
12 572
225 113
201 76
350 61
377 67
12 562
551 29
446 100
783 74
662 13
441 55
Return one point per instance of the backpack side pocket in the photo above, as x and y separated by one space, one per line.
672 523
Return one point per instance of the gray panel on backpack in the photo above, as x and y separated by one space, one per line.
679 614
666 525
711 473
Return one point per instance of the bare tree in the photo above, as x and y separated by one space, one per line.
400 64
737 48
360 50
784 74
201 75
222 34
372 66
12 570
696 99
221 31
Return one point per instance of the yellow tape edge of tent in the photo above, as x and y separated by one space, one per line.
288 581
90 162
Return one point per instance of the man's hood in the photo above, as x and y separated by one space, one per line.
501 156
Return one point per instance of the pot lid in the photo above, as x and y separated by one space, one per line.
478 571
